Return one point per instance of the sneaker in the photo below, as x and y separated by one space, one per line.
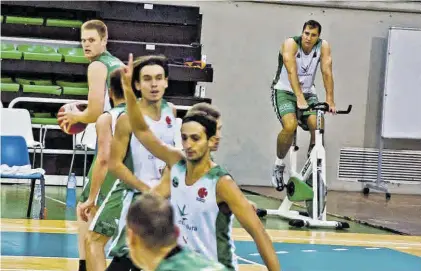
278 177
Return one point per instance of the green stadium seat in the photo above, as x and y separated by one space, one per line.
10 87
43 86
8 51
6 79
24 20
39 53
64 23
73 55
44 119
34 81
74 88
72 84
2 18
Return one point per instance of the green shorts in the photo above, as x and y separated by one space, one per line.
285 102
119 247
111 215
105 188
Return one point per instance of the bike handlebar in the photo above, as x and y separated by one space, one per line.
323 106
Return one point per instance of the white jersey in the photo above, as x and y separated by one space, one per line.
306 69
115 113
139 160
204 228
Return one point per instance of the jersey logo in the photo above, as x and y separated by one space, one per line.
305 69
168 121
175 182
202 194
182 212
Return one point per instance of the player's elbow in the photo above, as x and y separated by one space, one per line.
102 161
290 66
327 73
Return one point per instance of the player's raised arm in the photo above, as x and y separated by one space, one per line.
164 187
139 126
227 191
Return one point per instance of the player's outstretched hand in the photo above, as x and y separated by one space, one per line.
127 73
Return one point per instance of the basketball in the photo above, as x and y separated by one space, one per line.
77 127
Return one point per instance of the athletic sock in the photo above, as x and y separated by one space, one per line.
82 265
279 162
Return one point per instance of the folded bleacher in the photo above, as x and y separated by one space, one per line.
42 57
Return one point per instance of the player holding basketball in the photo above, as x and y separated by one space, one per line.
203 193
94 37
135 167
293 88
152 238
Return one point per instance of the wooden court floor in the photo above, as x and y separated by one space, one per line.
27 258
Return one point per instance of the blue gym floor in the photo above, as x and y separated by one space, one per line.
293 257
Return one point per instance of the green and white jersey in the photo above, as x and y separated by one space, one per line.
306 69
112 63
187 260
204 228
139 160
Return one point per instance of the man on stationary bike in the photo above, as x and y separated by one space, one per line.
293 89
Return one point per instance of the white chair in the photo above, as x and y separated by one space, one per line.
17 122
85 141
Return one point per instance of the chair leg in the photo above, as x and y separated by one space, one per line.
84 165
42 182
71 163
42 158
31 198
34 157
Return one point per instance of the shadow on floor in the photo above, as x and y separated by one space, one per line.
401 214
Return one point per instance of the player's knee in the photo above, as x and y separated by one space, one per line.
95 240
290 125
312 123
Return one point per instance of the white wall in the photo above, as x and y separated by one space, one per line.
241 41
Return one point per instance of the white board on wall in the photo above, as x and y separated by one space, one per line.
402 91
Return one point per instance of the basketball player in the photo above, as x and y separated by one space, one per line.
135 167
293 89
100 181
94 37
152 239
121 262
203 193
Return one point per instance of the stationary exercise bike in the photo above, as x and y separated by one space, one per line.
309 184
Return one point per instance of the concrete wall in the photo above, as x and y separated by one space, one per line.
242 39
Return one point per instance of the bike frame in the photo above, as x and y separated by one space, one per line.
315 165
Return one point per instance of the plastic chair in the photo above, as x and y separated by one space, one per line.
73 55
8 51
17 122
42 86
39 52
7 84
84 141
64 23
14 152
24 20
73 88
